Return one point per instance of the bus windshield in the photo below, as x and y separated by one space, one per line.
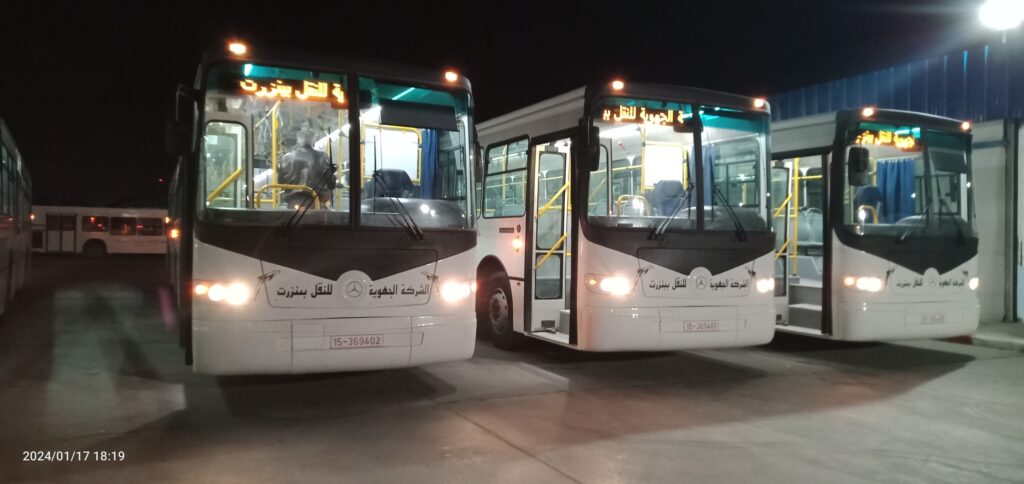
917 183
646 174
276 140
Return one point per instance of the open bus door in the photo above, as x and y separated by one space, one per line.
550 241
780 200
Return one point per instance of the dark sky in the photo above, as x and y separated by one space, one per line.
86 87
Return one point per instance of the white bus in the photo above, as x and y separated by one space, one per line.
15 219
321 215
627 217
875 215
98 231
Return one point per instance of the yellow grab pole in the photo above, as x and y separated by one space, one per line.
273 153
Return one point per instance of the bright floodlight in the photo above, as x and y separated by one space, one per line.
1001 14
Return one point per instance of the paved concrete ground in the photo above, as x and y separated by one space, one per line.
998 334
88 363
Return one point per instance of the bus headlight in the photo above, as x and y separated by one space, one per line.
863 283
235 293
455 291
765 285
613 285
973 283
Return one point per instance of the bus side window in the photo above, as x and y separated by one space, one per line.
504 187
122 225
93 223
151 226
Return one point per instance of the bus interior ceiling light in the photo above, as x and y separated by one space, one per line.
1001 14
237 48
618 85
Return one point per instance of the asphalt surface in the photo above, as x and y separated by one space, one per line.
89 362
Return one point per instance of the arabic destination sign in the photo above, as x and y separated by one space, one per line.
303 91
642 115
891 138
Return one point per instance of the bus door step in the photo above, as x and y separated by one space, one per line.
548 326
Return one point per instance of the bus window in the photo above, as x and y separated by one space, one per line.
122 225
224 160
92 223
504 185
151 226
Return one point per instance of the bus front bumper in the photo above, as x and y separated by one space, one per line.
864 321
329 345
674 328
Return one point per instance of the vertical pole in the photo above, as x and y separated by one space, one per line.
273 155
795 213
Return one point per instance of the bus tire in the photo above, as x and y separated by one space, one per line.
496 313
95 249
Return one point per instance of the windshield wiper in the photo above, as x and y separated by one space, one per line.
917 223
301 210
960 236
659 231
741 233
407 221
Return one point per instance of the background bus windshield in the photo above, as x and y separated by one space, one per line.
647 175
278 139
917 183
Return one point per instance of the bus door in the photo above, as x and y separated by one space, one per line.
60 232
550 241
780 200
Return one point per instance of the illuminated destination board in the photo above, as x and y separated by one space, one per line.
301 90
891 138
642 115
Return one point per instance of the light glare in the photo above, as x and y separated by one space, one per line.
973 283
615 285
454 291
765 285
1001 14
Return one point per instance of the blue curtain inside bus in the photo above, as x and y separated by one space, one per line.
710 153
896 180
428 164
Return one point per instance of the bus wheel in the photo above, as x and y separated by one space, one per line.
497 313
95 249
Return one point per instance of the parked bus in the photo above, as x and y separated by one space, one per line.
321 215
15 219
627 217
875 216
98 231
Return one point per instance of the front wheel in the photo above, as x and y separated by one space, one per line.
95 249
496 313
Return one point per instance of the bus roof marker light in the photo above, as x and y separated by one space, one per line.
759 103
237 48
868 112
451 76
966 125
1001 14
618 85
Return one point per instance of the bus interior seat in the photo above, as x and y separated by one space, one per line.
666 197
389 183
869 195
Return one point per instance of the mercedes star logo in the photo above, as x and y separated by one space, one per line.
354 289
702 282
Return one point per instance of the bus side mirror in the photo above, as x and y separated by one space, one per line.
593 148
178 134
478 165
857 166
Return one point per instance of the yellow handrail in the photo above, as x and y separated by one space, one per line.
285 186
874 212
782 206
785 245
547 206
550 251
223 185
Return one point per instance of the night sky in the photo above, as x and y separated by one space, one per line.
86 87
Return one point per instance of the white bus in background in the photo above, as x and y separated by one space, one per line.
15 219
875 215
98 231
369 264
627 217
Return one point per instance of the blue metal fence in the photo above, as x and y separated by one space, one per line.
978 84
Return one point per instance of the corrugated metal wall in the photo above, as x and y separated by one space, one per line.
979 84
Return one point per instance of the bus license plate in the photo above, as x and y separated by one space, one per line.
359 341
700 326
